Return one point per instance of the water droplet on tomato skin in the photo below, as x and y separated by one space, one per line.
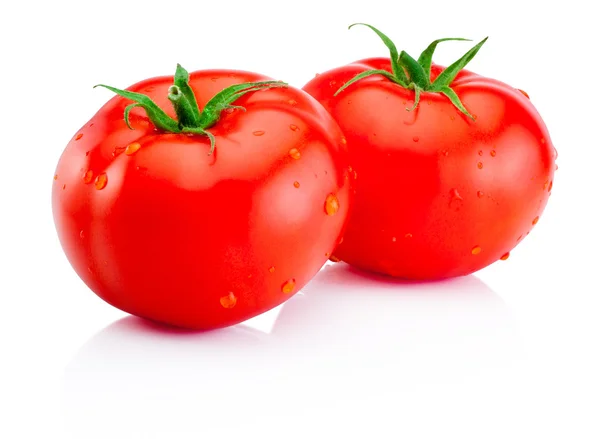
446 153
480 165
272 269
55 177
416 139
132 148
408 235
524 93
64 186
479 194
292 102
88 176
332 205
550 187
505 256
476 250
493 153
293 127
546 185
87 153
543 141
296 184
332 83
78 136
393 239
288 286
294 153
82 234
100 182
344 141
535 221
228 301
258 133
480 152
334 258
327 255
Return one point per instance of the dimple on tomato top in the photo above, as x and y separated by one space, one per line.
202 200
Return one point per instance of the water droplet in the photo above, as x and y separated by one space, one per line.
118 150
493 153
479 194
535 220
78 136
293 127
87 153
550 187
519 238
334 258
480 152
408 235
355 175
341 240
455 199
288 286
480 165
132 148
524 93
452 118
505 256
446 153
543 141
455 194
101 181
64 186
416 139
88 176
55 176
258 133
546 185
228 301
292 102
271 269
294 153
332 83
332 204
476 250
327 255
82 234
296 184
344 141
393 239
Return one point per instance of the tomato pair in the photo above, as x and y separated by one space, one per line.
203 199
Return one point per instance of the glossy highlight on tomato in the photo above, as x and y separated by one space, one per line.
210 224
450 178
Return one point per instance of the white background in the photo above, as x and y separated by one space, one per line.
509 353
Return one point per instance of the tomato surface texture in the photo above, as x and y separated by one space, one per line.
438 193
161 227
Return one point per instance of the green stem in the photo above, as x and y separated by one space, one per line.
415 74
189 117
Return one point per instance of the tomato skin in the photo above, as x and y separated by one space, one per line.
202 241
437 194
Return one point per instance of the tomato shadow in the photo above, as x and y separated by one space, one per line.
346 338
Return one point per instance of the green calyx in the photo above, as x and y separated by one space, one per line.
416 74
190 119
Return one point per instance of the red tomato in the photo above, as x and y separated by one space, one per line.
438 193
161 227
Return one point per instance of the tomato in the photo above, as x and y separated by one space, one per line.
453 169
202 220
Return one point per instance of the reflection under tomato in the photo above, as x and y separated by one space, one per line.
349 340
